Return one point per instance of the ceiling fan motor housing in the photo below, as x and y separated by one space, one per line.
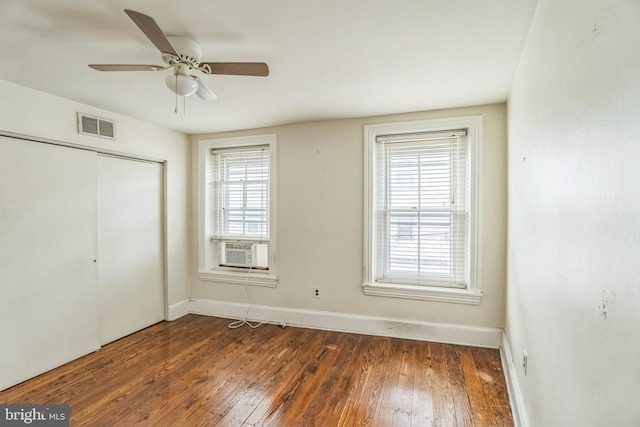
189 51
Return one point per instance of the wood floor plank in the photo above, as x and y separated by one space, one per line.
370 400
195 371
422 392
304 388
238 397
443 404
339 386
254 386
169 372
286 381
482 415
461 401
232 394
395 409
489 370
203 394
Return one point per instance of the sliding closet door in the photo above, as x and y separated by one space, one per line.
48 247
130 241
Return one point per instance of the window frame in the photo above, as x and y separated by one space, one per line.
207 266
472 294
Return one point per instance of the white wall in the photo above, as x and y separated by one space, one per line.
574 215
320 224
33 113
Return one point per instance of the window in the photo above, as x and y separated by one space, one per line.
239 186
421 209
237 243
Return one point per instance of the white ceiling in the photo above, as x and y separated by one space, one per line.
328 59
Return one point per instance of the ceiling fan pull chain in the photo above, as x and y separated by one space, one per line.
176 110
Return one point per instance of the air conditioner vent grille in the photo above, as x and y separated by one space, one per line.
96 126
238 257
239 254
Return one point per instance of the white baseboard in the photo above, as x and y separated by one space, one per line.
178 310
513 387
341 322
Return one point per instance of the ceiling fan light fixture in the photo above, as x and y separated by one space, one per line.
182 85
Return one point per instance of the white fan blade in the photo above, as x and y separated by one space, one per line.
204 92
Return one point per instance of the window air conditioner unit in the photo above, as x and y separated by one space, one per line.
239 254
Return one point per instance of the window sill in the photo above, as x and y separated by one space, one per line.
239 278
427 293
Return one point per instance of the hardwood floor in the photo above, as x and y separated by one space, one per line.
196 371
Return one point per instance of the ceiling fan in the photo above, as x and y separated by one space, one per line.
182 55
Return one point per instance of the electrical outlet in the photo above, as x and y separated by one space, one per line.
316 292
525 361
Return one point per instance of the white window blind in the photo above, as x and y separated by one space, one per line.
239 185
422 209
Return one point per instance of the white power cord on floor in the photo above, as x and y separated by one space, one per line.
242 322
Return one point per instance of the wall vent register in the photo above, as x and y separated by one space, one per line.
96 126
